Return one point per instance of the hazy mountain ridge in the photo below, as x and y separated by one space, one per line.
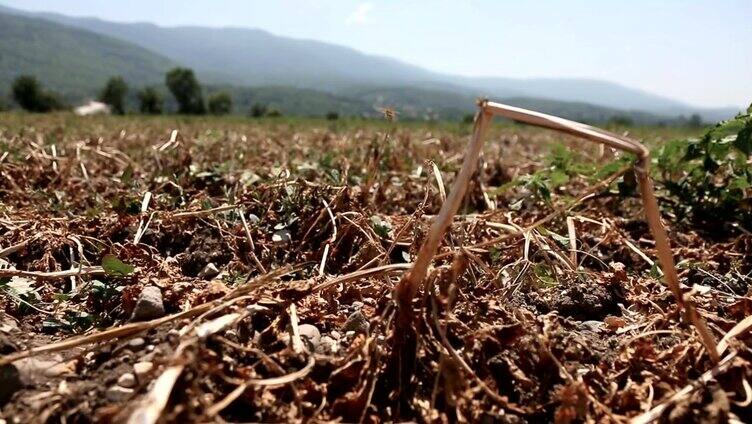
72 61
253 58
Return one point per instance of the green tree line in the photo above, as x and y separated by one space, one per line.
182 84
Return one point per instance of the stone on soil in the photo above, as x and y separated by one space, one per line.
149 305
118 393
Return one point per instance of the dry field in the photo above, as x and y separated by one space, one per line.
242 270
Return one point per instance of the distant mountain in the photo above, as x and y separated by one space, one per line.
71 61
76 56
415 104
253 57
595 92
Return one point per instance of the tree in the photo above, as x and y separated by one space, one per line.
273 113
28 93
114 93
332 116
187 91
150 102
621 120
258 110
220 103
695 121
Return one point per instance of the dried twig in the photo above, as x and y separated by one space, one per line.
658 410
409 285
84 270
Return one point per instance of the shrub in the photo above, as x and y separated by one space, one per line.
273 113
695 121
187 91
114 93
150 102
621 120
332 116
258 110
220 103
710 179
28 93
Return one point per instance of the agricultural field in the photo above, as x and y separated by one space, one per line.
226 269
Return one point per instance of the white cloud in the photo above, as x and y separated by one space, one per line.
360 15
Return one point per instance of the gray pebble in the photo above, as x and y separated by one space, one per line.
327 345
142 369
127 380
210 271
149 305
310 333
357 322
282 237
136 342
592 325
118 393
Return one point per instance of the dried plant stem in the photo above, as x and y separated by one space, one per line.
666 258
409 285
42 275
656 412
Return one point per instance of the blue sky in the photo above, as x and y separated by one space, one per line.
698 51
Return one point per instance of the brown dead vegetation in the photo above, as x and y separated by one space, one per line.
528 312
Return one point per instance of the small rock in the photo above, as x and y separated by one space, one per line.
592 325
210 271
357 322
136 343
357 305
335 334
63 388
349 334
127 380
282 237
253 219
142 369
149 357
327 345
149 305
311 334
10 382
118 393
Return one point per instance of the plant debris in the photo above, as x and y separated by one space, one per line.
274 249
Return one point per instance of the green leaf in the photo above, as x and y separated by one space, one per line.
559 238
544 275
115 267
739 183
127 176
743 140
559 178
381 227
